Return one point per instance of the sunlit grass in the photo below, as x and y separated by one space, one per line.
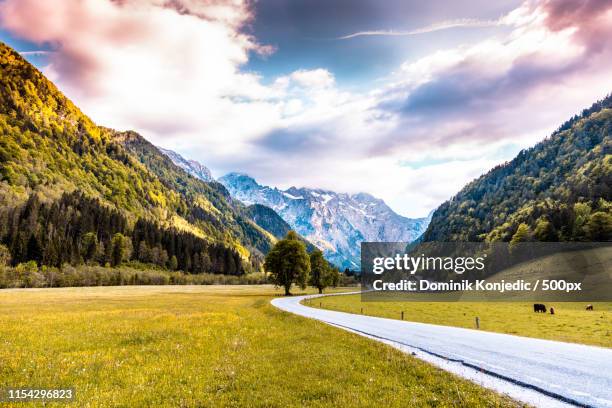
206 346
570 323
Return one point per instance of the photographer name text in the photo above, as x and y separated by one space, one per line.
546 285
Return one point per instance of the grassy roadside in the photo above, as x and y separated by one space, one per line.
570 323
206 346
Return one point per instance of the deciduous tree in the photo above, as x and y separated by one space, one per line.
288 262
522 234
599 226
321 275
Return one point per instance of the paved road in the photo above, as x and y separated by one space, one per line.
540 372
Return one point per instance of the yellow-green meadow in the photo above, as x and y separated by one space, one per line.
188 346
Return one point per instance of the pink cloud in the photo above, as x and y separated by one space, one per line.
88 34
562 14
591 18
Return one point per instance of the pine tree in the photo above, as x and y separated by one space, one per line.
5 255
144 253
34 251
89 246
118 249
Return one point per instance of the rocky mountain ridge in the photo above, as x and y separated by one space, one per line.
335 222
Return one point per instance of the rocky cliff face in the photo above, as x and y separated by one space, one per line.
335 222
190 166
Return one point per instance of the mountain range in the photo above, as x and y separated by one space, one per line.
335 222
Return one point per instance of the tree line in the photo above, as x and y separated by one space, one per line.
30 275
76 229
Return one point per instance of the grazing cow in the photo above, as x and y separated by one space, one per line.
539 307
552 310
589 307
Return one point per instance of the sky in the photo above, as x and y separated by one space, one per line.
406 100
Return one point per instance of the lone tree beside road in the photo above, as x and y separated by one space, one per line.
322 274
289 263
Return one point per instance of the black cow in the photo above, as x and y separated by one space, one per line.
539 307
589 307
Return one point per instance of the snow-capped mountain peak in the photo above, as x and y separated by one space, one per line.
335 222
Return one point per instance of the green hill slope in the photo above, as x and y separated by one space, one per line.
560 190
210 207
49 148
269 220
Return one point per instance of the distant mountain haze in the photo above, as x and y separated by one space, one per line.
261 215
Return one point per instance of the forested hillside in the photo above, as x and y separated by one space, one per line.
559 190
269 220
76 229
66 182
209 204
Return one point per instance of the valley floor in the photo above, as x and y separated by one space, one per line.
206 346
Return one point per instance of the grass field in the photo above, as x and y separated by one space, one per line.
206 346
570 323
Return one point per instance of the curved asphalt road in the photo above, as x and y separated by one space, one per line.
539 372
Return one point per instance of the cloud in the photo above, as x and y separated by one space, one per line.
315 78
444 25
37 53
458 108
175 71
174 65
504 88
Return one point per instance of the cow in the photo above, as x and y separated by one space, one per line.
552 310
539 307
589 307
